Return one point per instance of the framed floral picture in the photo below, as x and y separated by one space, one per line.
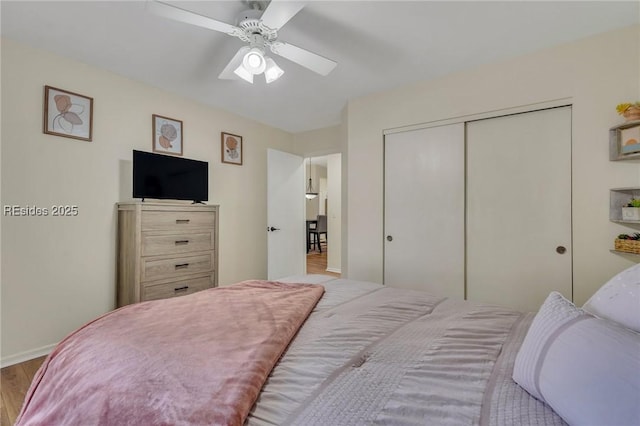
67 114
167 135
231 148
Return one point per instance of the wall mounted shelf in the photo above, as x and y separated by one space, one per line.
615 149
618 198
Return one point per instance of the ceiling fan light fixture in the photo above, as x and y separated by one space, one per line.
244 74
272 71
258 27
254 61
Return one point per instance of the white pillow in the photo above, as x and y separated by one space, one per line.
554 314
587 369
619 299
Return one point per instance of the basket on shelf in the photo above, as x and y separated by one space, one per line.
629 246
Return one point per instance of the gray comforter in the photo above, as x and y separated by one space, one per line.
374 355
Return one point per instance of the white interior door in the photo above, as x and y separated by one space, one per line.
519 208
285 215
424 210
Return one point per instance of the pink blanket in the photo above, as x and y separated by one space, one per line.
193 360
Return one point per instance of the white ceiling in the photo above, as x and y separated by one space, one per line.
378 45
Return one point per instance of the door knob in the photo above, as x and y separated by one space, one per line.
273 229
389 238
561 250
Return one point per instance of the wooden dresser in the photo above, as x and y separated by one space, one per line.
165 250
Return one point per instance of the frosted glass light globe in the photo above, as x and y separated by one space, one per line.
254 61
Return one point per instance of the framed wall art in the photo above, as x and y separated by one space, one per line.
624 141
231 148
67 114
167 135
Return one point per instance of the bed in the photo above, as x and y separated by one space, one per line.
362 354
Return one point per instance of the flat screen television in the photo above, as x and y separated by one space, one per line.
166 177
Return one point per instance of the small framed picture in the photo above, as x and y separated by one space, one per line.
167 135
630 140
231 146
625 141
67 114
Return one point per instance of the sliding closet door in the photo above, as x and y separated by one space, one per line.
424 210
519 208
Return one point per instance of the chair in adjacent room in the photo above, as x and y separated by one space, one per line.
320 229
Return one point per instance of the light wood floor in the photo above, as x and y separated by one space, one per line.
317 263
15 383
17 378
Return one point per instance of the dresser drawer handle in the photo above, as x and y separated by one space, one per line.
178 221
186 287
182 266
182 242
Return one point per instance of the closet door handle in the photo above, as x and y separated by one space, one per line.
561 250
389 238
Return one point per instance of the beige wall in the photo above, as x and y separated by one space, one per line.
334 212
317 142
58 273
595 73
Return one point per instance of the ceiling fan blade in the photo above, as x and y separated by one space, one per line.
172 12
228 71
312 61
279 12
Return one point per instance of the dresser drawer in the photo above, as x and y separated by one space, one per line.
175 288
154 268
154 244
177 220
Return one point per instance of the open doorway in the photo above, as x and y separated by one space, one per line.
323 177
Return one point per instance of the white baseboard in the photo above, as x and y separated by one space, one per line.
26 356
334 270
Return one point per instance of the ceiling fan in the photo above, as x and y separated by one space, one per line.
258 27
